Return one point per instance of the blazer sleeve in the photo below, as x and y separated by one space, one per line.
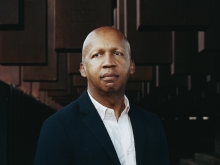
53 144
163 153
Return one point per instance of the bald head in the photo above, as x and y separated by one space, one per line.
105 33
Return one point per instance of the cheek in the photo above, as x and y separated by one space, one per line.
125 67
93 69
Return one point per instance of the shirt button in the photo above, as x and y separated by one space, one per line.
116 127
109 112
127 152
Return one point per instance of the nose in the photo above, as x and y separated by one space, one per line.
109 61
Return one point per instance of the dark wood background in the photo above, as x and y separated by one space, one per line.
175 45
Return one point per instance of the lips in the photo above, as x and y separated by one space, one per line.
109 76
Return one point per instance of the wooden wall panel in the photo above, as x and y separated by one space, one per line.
185 49
79 81
216 62
135 90
164 77
62 103
197 84
43 96
35 89
29 45
147 47
173 15
61 83
10 74
25 86
67 92
64 100
142 73
11 14
42 73
133 95
76 18
187 60
63 93
49 72
134 86
209 40
80 90
74 60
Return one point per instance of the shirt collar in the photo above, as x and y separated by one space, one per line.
102 109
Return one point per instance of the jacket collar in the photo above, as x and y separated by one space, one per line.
94 123
102 109
138 132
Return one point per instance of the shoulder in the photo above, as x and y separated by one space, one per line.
64 115
149 119
71 115
145 114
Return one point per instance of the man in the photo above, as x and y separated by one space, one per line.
101 127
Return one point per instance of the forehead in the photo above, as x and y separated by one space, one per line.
106 40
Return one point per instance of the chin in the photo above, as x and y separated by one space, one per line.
110 89
110 86
113 89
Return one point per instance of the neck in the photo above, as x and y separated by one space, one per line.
113 100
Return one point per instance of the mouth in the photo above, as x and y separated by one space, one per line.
109 76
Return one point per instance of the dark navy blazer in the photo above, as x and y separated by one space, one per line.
76 135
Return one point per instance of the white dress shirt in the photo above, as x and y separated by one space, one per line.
120 131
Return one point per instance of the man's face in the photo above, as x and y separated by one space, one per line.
106 62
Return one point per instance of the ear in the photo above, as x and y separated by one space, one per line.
132 67
82 69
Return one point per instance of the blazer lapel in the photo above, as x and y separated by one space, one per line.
139 134
95 124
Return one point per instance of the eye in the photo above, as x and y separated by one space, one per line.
96 55
118 53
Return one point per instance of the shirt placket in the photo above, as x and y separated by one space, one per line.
126 140
116 138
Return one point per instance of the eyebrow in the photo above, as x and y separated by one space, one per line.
112 49
91 52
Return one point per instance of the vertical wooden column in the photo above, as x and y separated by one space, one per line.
147 47
35 89
25 86
48 72
209 40
61 83
121 15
